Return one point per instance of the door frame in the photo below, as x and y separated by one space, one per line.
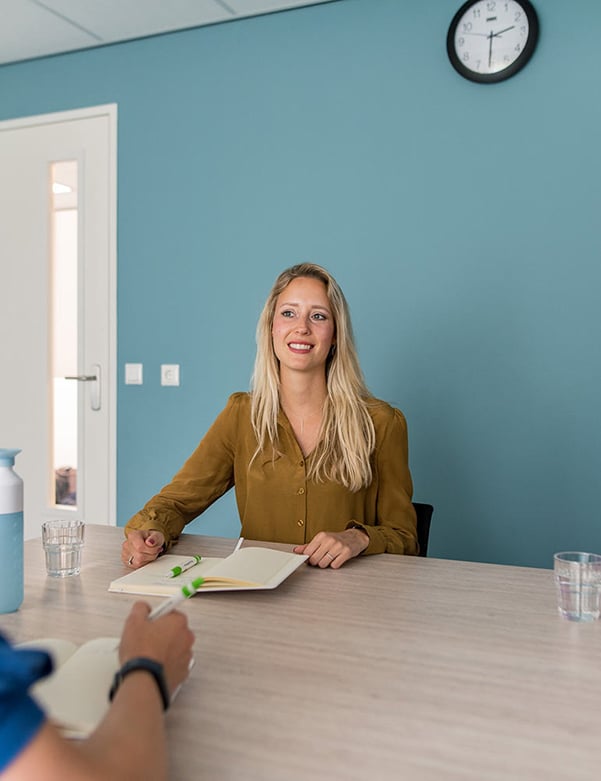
109 111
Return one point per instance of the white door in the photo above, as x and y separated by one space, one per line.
57 311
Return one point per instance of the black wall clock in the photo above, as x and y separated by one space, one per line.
491 40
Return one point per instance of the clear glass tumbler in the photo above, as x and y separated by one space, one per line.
578 583
63 544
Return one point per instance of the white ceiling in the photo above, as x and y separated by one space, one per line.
37 28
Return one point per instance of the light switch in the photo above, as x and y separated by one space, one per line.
133 374
170 374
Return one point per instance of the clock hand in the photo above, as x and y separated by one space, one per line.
503 31
490 37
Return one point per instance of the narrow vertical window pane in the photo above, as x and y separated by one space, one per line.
64 345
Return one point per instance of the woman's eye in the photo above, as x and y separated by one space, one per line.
287 313
319 316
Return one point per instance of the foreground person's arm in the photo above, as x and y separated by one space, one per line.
130 743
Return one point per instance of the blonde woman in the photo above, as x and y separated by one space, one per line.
314 459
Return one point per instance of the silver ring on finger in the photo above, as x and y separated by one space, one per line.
130 561
330 555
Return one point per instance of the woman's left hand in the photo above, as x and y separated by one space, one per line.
332 549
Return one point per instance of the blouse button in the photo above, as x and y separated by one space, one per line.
300 523
302 463
301 490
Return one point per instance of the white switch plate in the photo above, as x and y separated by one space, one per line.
133 374
170 374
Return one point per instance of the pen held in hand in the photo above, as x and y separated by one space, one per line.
175 571
170 604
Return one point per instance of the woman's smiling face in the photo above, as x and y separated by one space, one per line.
303 328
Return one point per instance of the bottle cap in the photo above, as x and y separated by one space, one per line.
7 456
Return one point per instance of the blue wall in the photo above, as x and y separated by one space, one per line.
460 219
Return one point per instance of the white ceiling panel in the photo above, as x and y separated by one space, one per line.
251 7
27 30
115 20
38 28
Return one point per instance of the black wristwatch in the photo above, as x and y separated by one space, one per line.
142 663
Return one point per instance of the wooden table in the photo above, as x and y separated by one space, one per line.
391 668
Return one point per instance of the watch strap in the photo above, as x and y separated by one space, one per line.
148 665
355 525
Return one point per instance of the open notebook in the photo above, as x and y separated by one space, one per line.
75 695
246 569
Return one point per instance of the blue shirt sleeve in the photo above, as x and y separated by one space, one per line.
20 716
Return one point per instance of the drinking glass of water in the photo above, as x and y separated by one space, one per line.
63 543
578 583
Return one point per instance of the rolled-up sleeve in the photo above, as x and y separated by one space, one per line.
206 475
394 529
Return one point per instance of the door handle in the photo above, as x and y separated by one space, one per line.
95 389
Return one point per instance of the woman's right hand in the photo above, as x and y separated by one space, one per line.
141 547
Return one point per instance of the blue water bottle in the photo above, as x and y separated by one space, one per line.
11 533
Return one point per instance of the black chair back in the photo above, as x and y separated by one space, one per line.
424 518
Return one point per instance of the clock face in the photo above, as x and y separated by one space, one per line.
490 40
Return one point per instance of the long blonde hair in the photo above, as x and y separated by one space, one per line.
347 435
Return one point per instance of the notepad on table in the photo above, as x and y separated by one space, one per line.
246 569
75 694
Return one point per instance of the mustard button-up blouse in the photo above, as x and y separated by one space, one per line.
276 501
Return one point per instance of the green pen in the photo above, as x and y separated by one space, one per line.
186 565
